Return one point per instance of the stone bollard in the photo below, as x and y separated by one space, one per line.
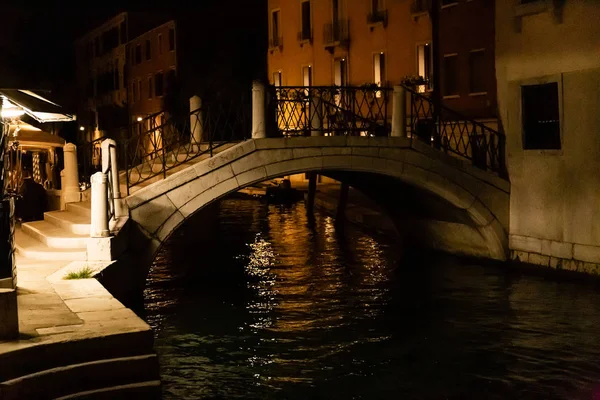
316 115
258 111
70 182
196 123
399 112
109 152
99 225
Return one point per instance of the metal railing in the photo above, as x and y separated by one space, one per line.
377 16
451 132
276 42
161 142
332 111
336 32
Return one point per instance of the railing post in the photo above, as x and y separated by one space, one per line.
399 112
99 224
258 111
316 116
70 175
109 155
196 123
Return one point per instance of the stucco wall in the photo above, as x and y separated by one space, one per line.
555 194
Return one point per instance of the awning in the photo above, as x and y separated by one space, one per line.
36 106
32 137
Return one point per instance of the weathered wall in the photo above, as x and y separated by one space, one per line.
554 218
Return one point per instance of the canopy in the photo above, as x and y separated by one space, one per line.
34 105
29 136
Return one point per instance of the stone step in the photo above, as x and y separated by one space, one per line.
70 221
55 236
142 390
83 208
98 375
31 248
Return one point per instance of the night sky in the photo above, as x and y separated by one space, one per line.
37 42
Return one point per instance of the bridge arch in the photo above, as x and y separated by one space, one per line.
158 210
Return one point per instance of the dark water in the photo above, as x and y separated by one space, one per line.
272 305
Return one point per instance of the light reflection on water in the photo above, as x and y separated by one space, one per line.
270 304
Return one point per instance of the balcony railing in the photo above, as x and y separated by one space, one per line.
379 16
276 42
420 6
336 33
304 36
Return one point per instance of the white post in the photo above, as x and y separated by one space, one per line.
316 116
99 225
258 111
399 112
196 123
70 175
109 152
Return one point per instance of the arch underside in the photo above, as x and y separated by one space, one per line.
433 204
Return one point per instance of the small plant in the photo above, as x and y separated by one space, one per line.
84 273
413 80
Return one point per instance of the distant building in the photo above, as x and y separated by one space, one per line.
152 64
548 72
351 43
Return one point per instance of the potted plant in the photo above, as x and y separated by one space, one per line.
413 81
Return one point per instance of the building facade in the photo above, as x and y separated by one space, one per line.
101 79
548 72
357 42
152 64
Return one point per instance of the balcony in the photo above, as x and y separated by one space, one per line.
377 17
276 43
305 36
420 7
336 34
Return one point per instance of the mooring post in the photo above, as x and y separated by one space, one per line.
70 175
342 202
99 224
259 117
196 123
312 190
399 112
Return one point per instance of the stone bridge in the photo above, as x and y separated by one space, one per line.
436 201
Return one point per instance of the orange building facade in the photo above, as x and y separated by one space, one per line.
358 42
152 63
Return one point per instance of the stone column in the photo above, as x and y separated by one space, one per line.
196 123
258 111
399 112
99 225
316 116
109 153
70 175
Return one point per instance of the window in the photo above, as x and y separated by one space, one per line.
376 6
158 84
307 75
477 81
139 90
277 78
117 83
424 65
340 72
160 47
171 39
123 32
306 22
138 53
133 92
275 29
148 50
150 87
379 69
540 116
335 5
450 71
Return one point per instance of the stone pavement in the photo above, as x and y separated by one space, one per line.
52 309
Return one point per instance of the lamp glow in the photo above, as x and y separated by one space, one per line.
139 119
12 112
81 128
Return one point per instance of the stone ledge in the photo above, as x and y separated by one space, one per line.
551 248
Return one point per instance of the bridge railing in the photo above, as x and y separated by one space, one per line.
454 133
163 141
332 110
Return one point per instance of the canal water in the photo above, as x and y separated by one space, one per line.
261 302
